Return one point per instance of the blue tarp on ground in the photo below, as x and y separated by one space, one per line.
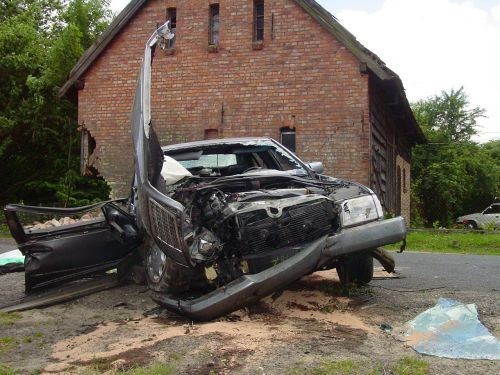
452 329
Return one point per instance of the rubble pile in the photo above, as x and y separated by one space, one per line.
54 223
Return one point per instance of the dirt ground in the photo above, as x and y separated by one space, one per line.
293 332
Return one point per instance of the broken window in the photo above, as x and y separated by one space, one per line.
87 157
288 138
258 21
404 180
213 37
211 134
172 17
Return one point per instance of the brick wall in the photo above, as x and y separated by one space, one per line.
302 78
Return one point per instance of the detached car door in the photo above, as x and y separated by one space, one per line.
86 240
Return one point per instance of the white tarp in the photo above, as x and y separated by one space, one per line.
452 329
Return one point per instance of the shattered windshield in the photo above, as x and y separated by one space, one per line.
232 159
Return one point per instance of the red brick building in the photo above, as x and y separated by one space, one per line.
249 68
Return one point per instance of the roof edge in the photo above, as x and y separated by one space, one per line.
333 26
93 52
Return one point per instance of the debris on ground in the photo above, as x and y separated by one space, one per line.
11 261
386 327
14 256
452 329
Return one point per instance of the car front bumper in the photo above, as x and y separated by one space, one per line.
250 288
367 236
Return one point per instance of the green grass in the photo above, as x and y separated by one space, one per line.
405 366
410 366
344 367
35 337
7 319
4 232
155 368
7 343
448 242
4 370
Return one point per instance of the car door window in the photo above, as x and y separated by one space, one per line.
493 209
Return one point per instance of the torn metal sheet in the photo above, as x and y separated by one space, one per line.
452 330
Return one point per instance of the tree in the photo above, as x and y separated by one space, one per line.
452 175
40 41
447 117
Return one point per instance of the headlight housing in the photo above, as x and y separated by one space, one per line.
360 210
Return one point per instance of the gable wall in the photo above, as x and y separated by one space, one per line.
302 78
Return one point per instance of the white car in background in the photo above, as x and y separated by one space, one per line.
491 215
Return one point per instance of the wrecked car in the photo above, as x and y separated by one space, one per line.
215 225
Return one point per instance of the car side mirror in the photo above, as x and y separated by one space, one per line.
316 166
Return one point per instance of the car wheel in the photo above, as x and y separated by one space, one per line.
471 225
163 274
357 268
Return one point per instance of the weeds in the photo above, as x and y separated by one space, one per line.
334 288
4 233
156 368
491 227
7 343
4 370
8 318
343 367
411 366
405 366
37 336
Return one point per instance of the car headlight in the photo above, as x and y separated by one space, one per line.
360 210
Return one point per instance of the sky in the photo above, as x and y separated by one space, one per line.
433 45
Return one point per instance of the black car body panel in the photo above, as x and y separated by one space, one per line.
64 253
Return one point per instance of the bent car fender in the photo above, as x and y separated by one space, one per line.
248 288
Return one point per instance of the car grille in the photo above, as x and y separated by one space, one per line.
164 227
297 224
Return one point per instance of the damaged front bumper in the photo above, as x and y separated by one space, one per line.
367 236
250 288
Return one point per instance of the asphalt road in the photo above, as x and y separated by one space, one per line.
479 273
7 244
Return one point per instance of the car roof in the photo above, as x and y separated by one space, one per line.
215 142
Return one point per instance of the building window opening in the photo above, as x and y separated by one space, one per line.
287 138
87 156
258 22
172 17
404 180
211 134
214 24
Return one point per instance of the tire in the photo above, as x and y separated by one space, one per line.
471 225
357 269
163 274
